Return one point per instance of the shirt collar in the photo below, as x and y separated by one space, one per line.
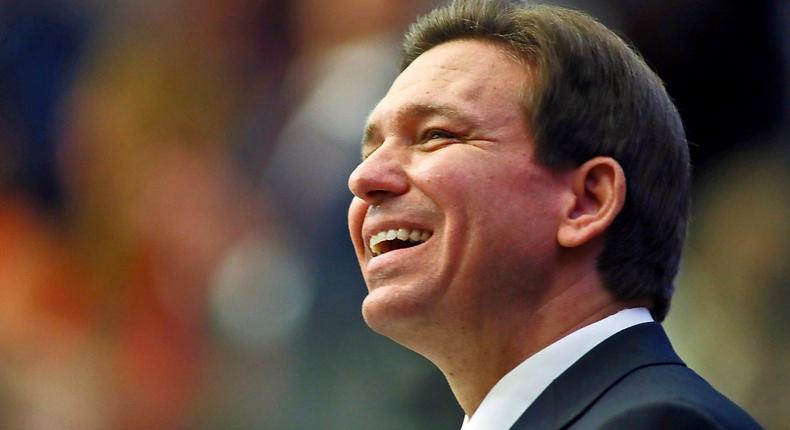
513 394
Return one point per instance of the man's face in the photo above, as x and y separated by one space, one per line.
449 166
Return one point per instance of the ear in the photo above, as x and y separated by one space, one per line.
597 190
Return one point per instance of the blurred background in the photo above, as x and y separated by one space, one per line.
173 248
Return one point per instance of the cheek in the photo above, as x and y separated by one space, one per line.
449 177
480 186
503 197
524 220
514 209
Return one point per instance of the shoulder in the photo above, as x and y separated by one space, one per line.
664 396
675 414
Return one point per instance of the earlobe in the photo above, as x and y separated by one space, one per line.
597 189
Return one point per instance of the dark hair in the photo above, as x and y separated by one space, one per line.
591 96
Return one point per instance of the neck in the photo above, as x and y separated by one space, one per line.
484 356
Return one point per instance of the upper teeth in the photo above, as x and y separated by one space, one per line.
403 234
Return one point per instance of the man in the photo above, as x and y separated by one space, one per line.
518 217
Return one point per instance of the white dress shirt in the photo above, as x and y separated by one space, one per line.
513 394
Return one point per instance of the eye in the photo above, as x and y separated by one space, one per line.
439 134
436 138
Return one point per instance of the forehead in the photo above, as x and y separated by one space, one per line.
469 78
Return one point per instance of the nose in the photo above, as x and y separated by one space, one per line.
379 176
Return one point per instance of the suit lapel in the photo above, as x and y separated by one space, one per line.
586 380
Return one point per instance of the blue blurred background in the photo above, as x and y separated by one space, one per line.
173 248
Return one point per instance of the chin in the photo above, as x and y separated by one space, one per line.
396 314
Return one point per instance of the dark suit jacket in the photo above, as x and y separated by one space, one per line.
633 380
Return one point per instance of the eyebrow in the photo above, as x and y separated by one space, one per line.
416 110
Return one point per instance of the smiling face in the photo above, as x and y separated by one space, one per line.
453 220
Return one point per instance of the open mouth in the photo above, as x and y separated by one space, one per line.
390 240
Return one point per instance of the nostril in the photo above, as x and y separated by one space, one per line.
377 195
